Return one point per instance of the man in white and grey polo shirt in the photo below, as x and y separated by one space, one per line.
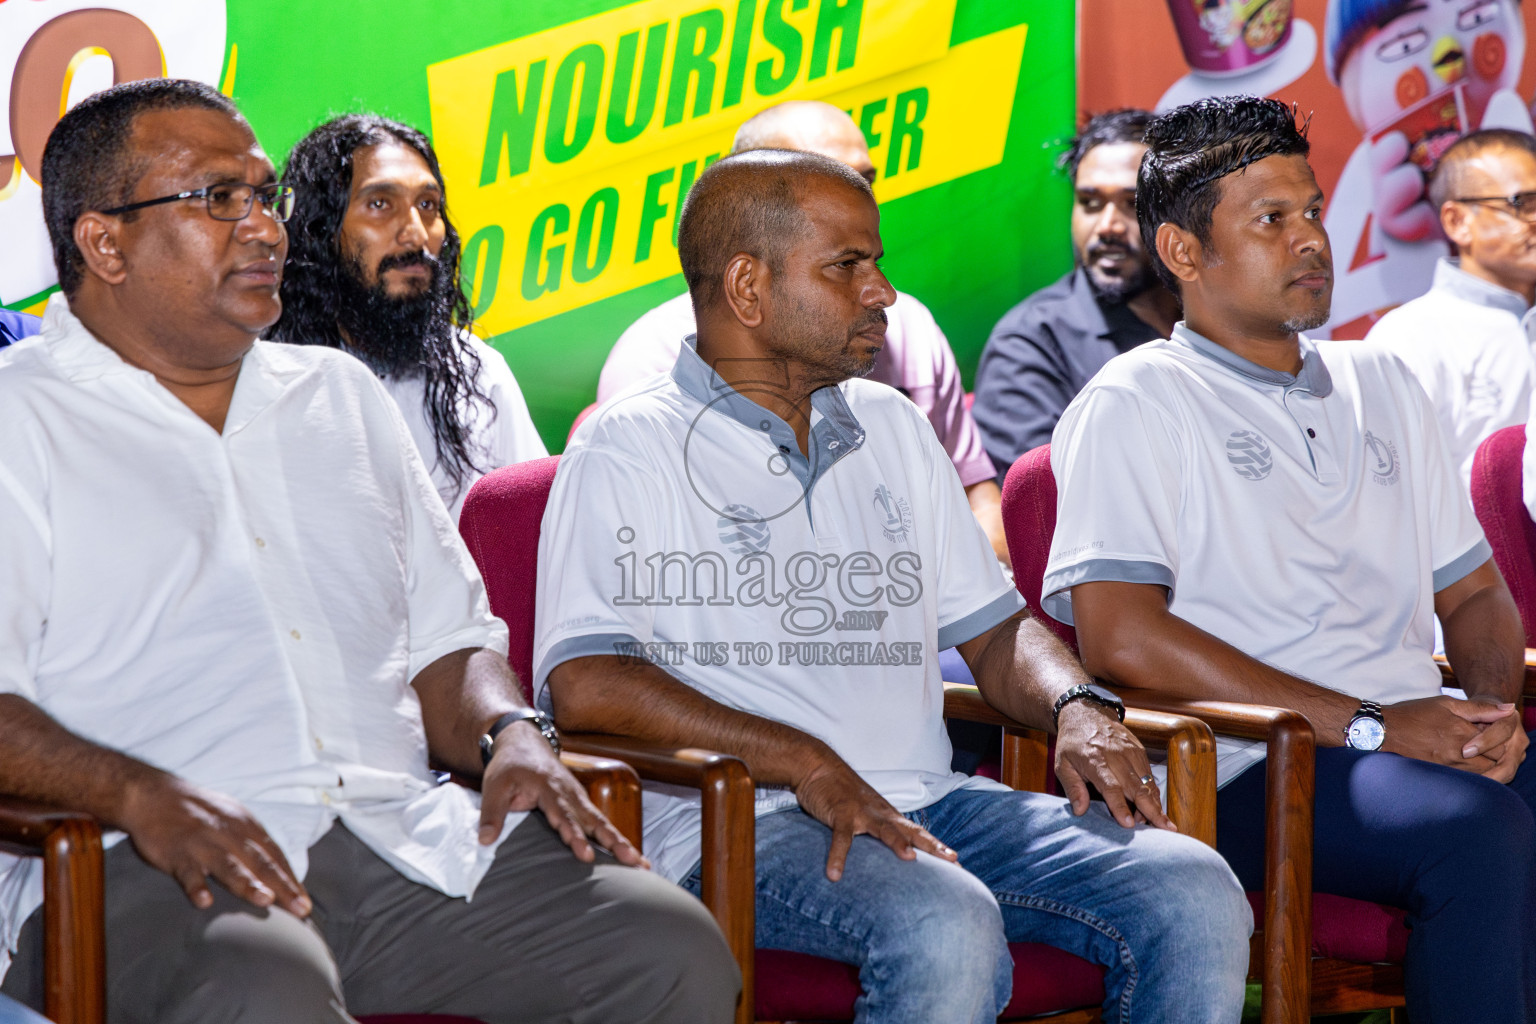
1245 515
1467 339
760 555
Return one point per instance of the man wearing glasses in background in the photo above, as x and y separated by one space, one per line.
236 625
1468 338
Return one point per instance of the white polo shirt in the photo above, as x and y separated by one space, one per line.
1306 520
244 609
497 441
1468 341
685 526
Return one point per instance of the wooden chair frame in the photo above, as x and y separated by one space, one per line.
74 930
729 827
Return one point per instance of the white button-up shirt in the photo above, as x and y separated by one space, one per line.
247 609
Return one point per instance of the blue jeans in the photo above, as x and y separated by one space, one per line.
1454 850
1162 912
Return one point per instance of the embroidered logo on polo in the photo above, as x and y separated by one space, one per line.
1249 455
1381 459
895 515
742 530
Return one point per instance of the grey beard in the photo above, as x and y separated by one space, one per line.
1310 322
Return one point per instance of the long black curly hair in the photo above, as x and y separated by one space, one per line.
318 272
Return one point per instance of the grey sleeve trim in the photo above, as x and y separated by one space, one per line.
570 648
1057 601
970 627
1458 568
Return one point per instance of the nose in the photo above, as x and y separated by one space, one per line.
260 225
413 232
880 294
1311 238
1112 221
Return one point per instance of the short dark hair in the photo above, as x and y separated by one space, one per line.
1449 178
1128 124
89 163
749 202
1191 148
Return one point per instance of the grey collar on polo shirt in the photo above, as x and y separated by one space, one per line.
1451 279
835 432
1314 378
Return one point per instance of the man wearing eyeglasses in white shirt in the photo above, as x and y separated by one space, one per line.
237 623
1468 339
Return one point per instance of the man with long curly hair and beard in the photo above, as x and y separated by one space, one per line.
373 269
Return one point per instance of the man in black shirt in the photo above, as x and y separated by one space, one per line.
1046 348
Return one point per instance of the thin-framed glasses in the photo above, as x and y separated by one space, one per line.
231 201
1521 205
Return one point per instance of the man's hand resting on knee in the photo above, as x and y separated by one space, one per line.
525 774
834 795
1478 735
1092 746
193 834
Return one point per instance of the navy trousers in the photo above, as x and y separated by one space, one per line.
1455 851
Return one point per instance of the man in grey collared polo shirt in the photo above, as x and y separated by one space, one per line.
1245 515
761 555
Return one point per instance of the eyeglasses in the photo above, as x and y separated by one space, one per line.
1521 204
229 202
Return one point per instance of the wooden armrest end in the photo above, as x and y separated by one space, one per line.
612 786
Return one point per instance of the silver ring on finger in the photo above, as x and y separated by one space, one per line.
1146 781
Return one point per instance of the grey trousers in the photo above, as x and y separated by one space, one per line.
545 939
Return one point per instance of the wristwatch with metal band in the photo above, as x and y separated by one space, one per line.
544 722
1368 729
1088 691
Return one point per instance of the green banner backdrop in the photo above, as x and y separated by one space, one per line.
569 131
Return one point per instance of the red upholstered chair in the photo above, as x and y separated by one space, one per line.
1356 947
501 524
1498 499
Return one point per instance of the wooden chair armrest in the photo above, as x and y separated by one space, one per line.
729 869
1190 745
613 787
1528 691
74 930
1288 807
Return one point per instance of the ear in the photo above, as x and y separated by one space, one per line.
96 236
1456 221
746 285
1179 250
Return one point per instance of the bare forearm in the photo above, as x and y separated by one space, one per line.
1131 643
1021 668
462 694
631 697
1485 644
41 760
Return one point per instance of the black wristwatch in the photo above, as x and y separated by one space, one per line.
1088 691
1367 730
544 722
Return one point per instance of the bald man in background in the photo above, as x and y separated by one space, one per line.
1468 339
916 360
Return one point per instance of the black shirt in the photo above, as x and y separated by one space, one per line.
1038 358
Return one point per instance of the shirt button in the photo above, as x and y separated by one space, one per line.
831 446
325 798
319 744
784 448
1311 432
260 543
295 634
